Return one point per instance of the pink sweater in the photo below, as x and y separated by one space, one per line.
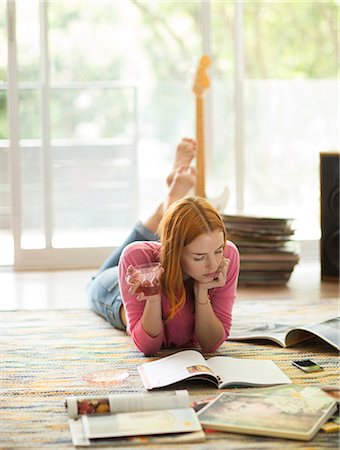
180 331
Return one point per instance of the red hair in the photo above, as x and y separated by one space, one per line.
183 222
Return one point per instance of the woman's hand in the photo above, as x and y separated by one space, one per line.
221 274
219 280
132 279
208 327
146 290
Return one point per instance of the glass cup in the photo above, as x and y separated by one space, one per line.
149 277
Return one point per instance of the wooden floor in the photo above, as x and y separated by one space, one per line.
67 289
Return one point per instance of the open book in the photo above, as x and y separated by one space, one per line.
130 419
286 336
292 412
223 371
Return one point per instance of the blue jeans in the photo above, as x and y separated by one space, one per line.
103 290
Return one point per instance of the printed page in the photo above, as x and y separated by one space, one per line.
77 433
329 331
272 331
233 371
145 402
171 369
79 438
78 406
141 423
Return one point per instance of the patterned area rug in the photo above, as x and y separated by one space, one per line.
47 354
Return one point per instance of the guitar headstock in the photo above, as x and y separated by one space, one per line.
201 81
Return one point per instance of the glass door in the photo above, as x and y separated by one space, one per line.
73 145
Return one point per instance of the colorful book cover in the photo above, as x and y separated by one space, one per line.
293 412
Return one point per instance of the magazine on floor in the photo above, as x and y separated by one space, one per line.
291 411
222 371
286 336
132 419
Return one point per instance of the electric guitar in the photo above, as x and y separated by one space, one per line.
201 84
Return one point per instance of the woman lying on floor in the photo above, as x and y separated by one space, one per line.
199 272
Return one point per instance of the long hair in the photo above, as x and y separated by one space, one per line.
183 222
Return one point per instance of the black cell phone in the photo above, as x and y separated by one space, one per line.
307 365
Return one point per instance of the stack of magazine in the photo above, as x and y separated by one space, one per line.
267 250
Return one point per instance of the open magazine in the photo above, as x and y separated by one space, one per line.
223 371
131 419
286 336
291 412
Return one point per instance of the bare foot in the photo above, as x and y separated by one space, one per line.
185 153
183 181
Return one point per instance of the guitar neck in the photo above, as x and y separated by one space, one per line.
200 155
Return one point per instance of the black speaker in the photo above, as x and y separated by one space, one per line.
330 216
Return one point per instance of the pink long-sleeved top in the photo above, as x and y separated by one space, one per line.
180 331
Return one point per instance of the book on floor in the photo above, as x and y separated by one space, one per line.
132 419
286 336
223 371
292 412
